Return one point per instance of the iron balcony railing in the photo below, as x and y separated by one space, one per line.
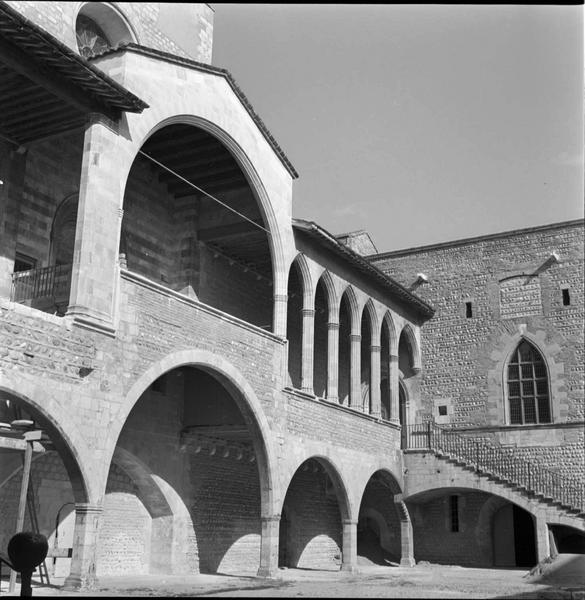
49 283
498 462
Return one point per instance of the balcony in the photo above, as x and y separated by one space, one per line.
45 289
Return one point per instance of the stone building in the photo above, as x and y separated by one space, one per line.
221 387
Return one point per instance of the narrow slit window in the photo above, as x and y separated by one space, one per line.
454 513
468 310
566 297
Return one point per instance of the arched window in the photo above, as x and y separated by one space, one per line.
99 27
528 386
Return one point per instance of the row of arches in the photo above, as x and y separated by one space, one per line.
344 350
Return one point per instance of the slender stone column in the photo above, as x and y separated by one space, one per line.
349 550
99 218
542 539
269 547
375 381
333 361
83 563
393 379
355 374
308 349
406 535
279 314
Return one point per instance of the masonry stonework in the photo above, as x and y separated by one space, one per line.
223 393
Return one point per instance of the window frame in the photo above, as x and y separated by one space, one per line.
537 397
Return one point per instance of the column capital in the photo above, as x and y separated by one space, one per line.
280 297
393 357
308 312
333 325
349 521
355 337
375 348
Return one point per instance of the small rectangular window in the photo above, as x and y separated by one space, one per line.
468 310
442 410
454 510
566 297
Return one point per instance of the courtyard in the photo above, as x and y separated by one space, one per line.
425 580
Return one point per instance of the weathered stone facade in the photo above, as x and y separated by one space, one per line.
220 387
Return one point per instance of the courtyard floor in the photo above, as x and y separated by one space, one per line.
422 581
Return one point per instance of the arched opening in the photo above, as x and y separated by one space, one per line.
193 223
403 414
344 349
385 393
379 531
311 525
55 482
99 27
189 500
514 540
528 386
321 341
568 540
406 355
294 326
471 528
366 360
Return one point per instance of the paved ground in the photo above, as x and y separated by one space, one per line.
422 581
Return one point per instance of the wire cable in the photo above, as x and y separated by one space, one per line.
203 191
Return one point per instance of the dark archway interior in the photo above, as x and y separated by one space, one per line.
568 540
514 537
178 236
378 531
344 350
55 482
310 525
405 356
294 326
321 341
385 404
192 452
366 360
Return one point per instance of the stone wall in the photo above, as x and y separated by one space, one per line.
515 291
183 30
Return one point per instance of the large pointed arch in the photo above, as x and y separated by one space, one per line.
245 397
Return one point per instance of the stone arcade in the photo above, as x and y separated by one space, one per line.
223 388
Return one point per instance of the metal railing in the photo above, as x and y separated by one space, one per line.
496 461
51 283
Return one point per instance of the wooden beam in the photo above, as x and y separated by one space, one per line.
49 79
229 231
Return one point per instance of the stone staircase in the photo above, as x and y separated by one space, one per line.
499 465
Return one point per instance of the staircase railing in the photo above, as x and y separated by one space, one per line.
499 462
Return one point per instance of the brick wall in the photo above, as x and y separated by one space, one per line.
51 174
312 533
125 529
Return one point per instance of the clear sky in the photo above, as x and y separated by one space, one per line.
418 123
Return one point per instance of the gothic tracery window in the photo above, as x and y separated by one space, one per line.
528 390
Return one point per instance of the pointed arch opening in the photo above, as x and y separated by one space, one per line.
345 328
314 507
321 347
294 324
194 223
